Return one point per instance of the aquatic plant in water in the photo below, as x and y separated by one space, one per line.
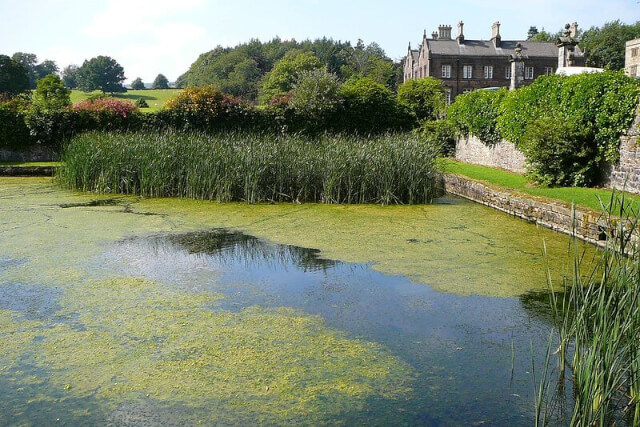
598 330
391 169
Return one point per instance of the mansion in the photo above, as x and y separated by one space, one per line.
464 65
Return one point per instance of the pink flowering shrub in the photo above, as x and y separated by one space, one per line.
105 107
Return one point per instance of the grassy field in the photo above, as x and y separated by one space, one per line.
587 197
156 98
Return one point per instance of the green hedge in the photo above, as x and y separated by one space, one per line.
567 127
476 113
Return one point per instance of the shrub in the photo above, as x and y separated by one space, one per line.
13 129
477 113
425 98
315 96
601 105
205 108
51 94
371 107
558 154
142 103
440 134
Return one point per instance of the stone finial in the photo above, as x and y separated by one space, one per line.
567 30
518 50
573 30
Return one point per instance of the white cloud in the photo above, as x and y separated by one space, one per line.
148 36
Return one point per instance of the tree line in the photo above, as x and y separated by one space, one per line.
259 71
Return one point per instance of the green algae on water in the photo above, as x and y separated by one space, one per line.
132 338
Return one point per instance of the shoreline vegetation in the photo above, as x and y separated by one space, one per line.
253 167
596 312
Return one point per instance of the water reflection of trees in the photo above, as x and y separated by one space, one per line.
233 246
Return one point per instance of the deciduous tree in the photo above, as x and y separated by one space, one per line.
137 84
103 73
14 77
280 80
160 82
605 47
70 76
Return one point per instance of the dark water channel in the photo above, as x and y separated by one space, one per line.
473 355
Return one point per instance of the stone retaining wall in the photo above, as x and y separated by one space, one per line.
503 155
626 174
34 153
584 224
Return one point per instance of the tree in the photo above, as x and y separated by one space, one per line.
46 68
137 84
160 82
70 76
14 77
28 61
315 95
605 47
279 81
103 73
425 98
50 94
370 106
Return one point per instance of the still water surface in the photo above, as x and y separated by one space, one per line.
139 313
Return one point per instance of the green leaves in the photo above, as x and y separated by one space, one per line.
477 113
103 73
424 98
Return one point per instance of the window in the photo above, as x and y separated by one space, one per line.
634 52
528 73
633 70
488 72
447 93
548 71
467 71
446 71
467 90
507 72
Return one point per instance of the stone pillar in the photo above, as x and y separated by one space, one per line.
567 46
517 68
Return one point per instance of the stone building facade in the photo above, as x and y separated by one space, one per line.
632 58
464 65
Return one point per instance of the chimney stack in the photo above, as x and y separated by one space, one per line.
434 35
495 34
444 32
532 32
460 37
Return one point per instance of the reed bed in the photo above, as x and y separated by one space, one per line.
390 169
597 319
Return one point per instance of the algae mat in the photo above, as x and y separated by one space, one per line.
96 327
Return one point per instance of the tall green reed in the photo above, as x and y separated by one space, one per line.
597 322
389 169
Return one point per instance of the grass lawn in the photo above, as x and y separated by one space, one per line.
156 98
587 197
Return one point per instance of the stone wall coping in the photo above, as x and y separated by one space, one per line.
577 221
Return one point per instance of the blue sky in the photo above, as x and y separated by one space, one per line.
148 37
